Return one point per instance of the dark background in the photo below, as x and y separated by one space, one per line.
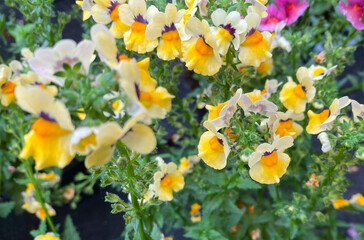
93 218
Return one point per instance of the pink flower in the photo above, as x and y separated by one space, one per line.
293 8
275 16
354 12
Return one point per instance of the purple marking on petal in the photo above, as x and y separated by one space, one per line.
304 88
228 27
113 5
285 120
46 117
220 141
251 31
37 83
169 28
137 90
268 153
140 19
203 38
164 176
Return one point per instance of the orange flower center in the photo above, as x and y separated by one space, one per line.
254 96
44 128
284 128
299 91
202 48
195 208
166 181
216 145
41 214
263 92
8 88
123 57
270 160
115 13
230 135
324 115
253 39
170 36
138 27
89 140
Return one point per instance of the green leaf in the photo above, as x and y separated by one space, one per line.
213 202
5 208
42 229
70 231
247 183
156 233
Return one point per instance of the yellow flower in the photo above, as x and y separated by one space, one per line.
30 78
201 51
256 49
195 212
270 87
295 96
136 15
86 6
49 139
315 72
268 163
7 86
164 26
51 178
228 29
221 115
186 164
47 236
255 102
167 180
357 199
140 88
106 11
259 6
325 120
340 203
284 124
213 148
40 213
265 68
190 12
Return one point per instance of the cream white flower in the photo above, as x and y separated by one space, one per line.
47 61
325 141
254 102
358 110
278 40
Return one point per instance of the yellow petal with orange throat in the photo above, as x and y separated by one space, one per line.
7 93
212 150
158 102
293 97
270 168
136 40
48 144
214 111
316 120
255 49
170 46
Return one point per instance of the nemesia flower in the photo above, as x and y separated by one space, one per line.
270 87
324 121
213 148
313 181
352 232
140 89
314 72
49 138
34 207
7 86
202 7
30 78
69 193
259 5
86 6
136 15
278 40
164 25
275 15
50 178
167 180
253 19
353 12
186 164
117 105
255 234
295 96
358 110
201 51
47 236
321 57
195 212
228 29
340 203
254 102
221 115
293 8
268 163
149 193
325 141
284 124
357 199
47 61
106 11
256 49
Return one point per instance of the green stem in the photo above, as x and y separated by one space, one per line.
349 37
134 201
31 178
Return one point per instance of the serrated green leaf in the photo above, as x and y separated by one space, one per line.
6 208
70 231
